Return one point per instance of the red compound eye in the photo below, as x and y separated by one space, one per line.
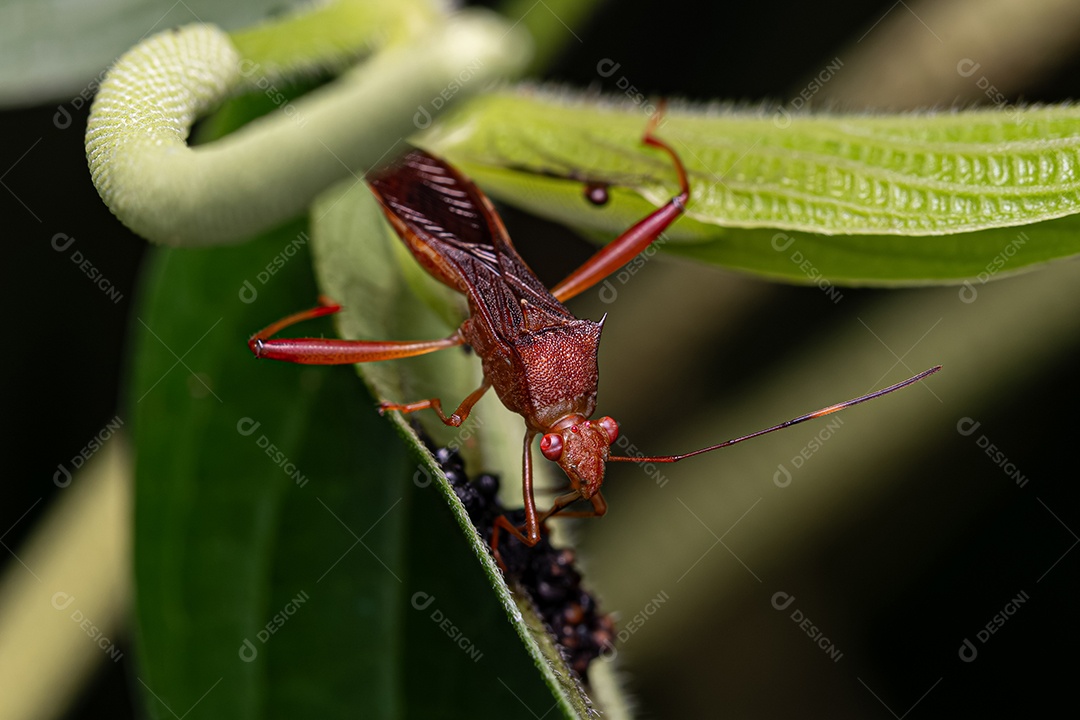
610 427
551 446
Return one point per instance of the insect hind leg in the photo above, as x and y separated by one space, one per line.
435 404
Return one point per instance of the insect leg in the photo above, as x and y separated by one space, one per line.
531 528
624 248
599 507
435 404
327 351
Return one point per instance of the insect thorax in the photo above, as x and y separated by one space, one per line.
548 374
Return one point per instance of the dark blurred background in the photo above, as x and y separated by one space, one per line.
896 582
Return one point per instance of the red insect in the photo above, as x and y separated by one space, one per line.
541 360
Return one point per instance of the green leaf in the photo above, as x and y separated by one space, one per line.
882 260
235 464
902 199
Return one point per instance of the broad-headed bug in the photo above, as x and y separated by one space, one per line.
541 360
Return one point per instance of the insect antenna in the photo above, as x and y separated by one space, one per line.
794 421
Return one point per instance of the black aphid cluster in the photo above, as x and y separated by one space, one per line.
545 572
